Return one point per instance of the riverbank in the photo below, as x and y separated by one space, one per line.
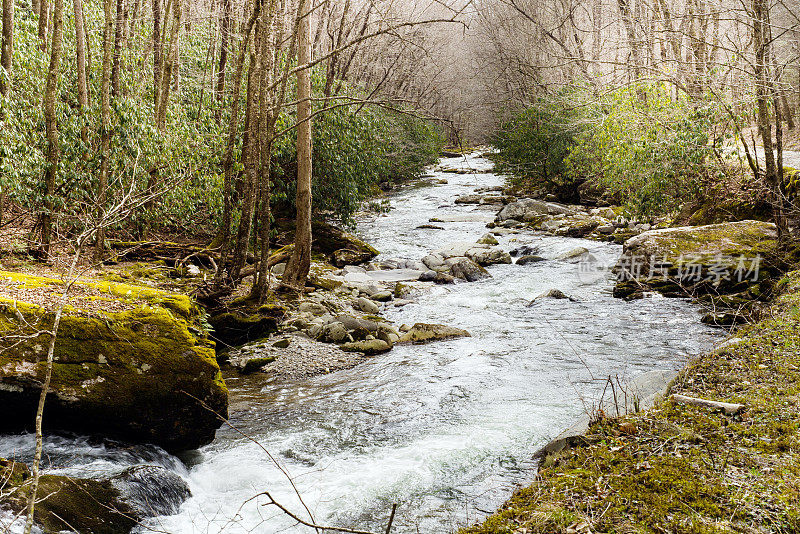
455 420
679 468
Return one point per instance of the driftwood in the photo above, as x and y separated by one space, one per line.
728 407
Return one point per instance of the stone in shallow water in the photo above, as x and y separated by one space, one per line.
524 260
426 332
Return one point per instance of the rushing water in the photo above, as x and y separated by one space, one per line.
444 430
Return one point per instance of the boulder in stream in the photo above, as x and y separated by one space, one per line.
145 372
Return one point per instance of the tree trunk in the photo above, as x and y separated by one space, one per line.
157 50
7 51
118 29
630 30
269 114
763 79
105 120
223 49
297 269
250 154
167 71
223 237
51 124
44 11
80 65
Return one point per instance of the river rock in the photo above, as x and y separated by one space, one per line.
468 199
487 239
428 276
525 250
113 505
313 308
367 346
724 258
434 262
444 278
367 306
573 254
466 269
529 209
384 296
334 332
345 256
606 229
524 260
552 294
480 254
139 374
492 256
495 199
583 226
424 333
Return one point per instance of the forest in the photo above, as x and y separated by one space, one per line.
355 266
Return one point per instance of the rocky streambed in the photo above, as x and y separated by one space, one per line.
424 376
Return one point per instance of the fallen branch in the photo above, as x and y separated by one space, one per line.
279 257
728 407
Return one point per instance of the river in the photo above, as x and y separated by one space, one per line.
445 430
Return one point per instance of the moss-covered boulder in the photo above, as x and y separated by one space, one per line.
144 372
722 258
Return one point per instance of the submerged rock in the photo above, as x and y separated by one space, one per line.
141 374
425 332
524 260
552 294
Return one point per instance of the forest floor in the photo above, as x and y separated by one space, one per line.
679 468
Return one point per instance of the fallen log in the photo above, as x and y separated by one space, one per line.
170 253
728 407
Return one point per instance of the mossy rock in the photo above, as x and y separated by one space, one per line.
367 346
720 258
140 375
67 504
712 211
424 333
